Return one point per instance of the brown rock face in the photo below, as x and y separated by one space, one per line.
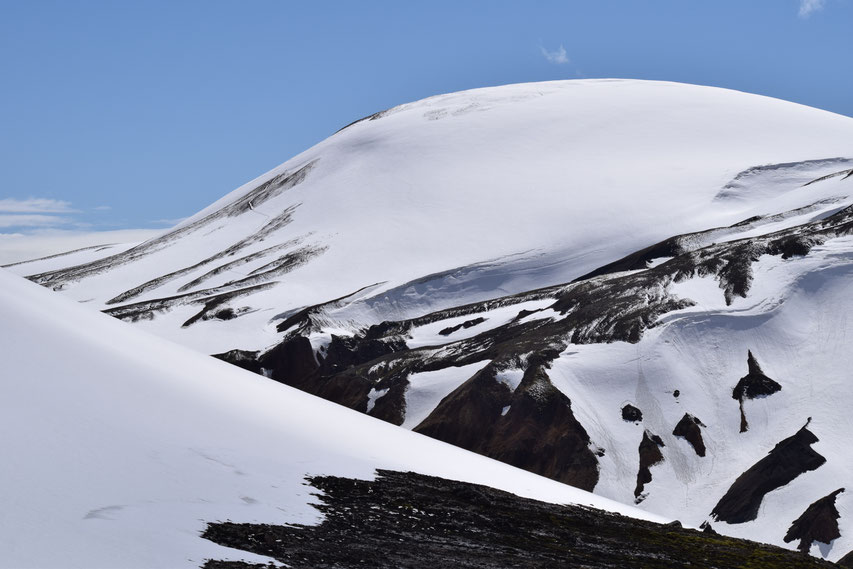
753 384
689 428
466 416
650 455
818 523
538 432
788 459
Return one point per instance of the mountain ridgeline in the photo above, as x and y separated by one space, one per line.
636 288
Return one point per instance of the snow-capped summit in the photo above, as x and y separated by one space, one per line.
462 197
638 288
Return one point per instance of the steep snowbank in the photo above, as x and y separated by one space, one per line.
118 446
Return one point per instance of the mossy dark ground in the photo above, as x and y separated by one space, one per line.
414 521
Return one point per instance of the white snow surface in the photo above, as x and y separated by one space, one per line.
797 320
455 199
472 195
119 446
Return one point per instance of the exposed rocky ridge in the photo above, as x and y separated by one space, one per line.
538 432
818 523
248 284
432 522
607 308
251 199
788 459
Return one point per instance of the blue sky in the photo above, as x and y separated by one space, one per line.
135 114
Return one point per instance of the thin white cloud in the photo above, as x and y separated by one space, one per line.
558 56
169 222
31 220
809 7
103 208
35 205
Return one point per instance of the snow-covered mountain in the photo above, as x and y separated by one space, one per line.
638 288
119 447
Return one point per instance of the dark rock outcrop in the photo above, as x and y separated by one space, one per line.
788 459
467 324
846 561
538 433
608 308
465 417
753 384
689 428
421 522
650 455
631 414
818 523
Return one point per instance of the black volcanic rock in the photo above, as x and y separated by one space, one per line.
631 413
689 428
245 359
788 459
818 523
538 433
650 455
465 417
755 383
467 324
422 522
618 307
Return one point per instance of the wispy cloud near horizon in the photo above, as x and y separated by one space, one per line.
557 57
809 7
33 220
35 205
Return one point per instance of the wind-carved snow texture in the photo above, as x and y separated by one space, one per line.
803 173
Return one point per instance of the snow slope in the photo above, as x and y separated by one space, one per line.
468 196
119 446
482 194
797 321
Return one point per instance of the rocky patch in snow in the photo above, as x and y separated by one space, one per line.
818 523
689 427
631 414
788 459
415 521
650 455
753 384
